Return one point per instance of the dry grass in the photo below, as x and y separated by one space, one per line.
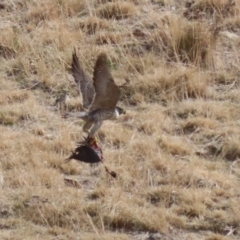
217 10
176 151
117 10
181 40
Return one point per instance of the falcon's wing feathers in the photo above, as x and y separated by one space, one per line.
83 81
107 92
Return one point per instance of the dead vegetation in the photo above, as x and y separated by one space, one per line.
210 8
176 151
117 10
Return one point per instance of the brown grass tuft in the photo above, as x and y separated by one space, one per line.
117 10
7 52
174 146
50 10
207 8
109 38
94 24
192 42
178 83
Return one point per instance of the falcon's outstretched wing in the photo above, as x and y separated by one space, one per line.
83 81
107 93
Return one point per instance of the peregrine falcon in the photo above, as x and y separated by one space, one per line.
100 95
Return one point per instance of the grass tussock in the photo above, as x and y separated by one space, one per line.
210 8
7 52
192 42
177 83
232 24
175 151
109 38
117 10
94 24
50 10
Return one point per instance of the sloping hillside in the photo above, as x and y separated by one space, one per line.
176 151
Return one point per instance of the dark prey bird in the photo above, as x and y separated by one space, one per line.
89 151
100 96
84 154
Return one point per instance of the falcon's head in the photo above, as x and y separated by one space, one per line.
121 110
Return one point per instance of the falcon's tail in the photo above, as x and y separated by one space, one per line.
82 115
